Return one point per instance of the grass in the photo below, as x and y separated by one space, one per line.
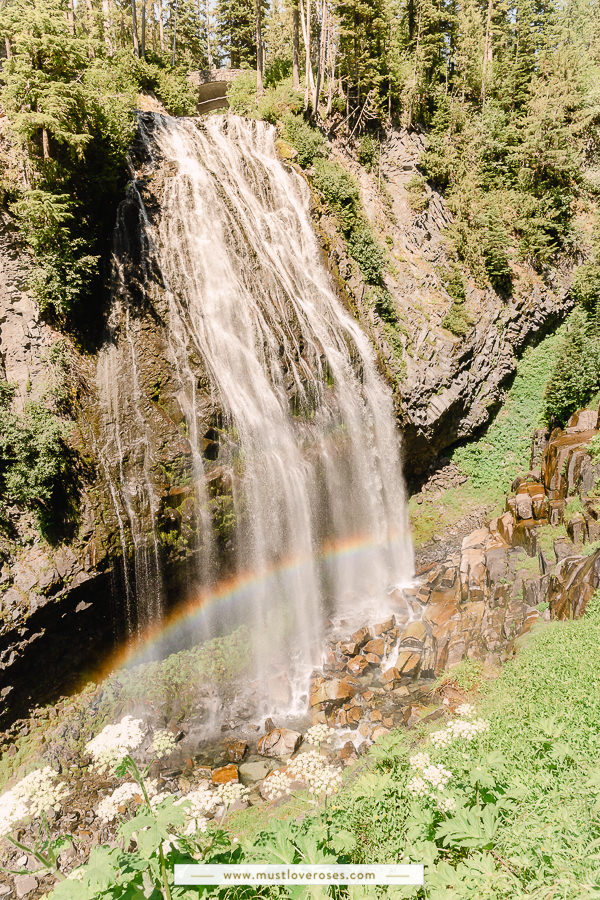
536 772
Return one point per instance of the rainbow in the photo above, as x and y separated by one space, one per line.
227 593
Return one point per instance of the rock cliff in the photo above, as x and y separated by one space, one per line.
447 387
56 611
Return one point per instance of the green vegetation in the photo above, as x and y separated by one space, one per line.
35 462
492 461
70 107
417 193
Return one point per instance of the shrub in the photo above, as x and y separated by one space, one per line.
178 95
457 320
241 94
576 375
309 142
280 101
339 189
34 460
368 152
368 253
417 195
586 288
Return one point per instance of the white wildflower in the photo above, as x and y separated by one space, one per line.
459 729
12 810
232 792
319 734
198 824
441 738
315 772
276 785
420 761
114 743
163 744
437 776
418 786
465 710
36 793
446 804
200 802
111 806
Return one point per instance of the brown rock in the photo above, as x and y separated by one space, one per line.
408 663
379 732
523 504
382 627
361 636
391 676
279 742
333 690
357 665
225 774
582 420
373 658
348 752
349 648
354 715
235 750
377 646
414 631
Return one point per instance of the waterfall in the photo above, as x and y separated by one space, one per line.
306 437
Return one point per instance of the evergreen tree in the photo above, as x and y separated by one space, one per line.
236 33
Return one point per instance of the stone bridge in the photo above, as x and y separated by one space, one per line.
212 87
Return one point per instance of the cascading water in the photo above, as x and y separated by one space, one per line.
307 436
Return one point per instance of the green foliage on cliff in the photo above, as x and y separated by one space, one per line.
34 460
576 375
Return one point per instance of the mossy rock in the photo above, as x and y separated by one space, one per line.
285 150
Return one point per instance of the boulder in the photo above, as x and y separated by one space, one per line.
414 631
376 646
582 420
235 750
332 691
523 504
357 665
251 772
279 743
225 774
25 884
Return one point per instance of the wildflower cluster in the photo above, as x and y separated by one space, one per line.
114 742
31 797
319 734
230 793
309 769
110 807
430 781
459 729
163 744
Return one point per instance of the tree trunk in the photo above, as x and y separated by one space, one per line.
295 45
71 17
8 48
161 27
134 30
322 52
174 31
259 50
45 144
309 82
208 47
487 51
107 27
143 29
